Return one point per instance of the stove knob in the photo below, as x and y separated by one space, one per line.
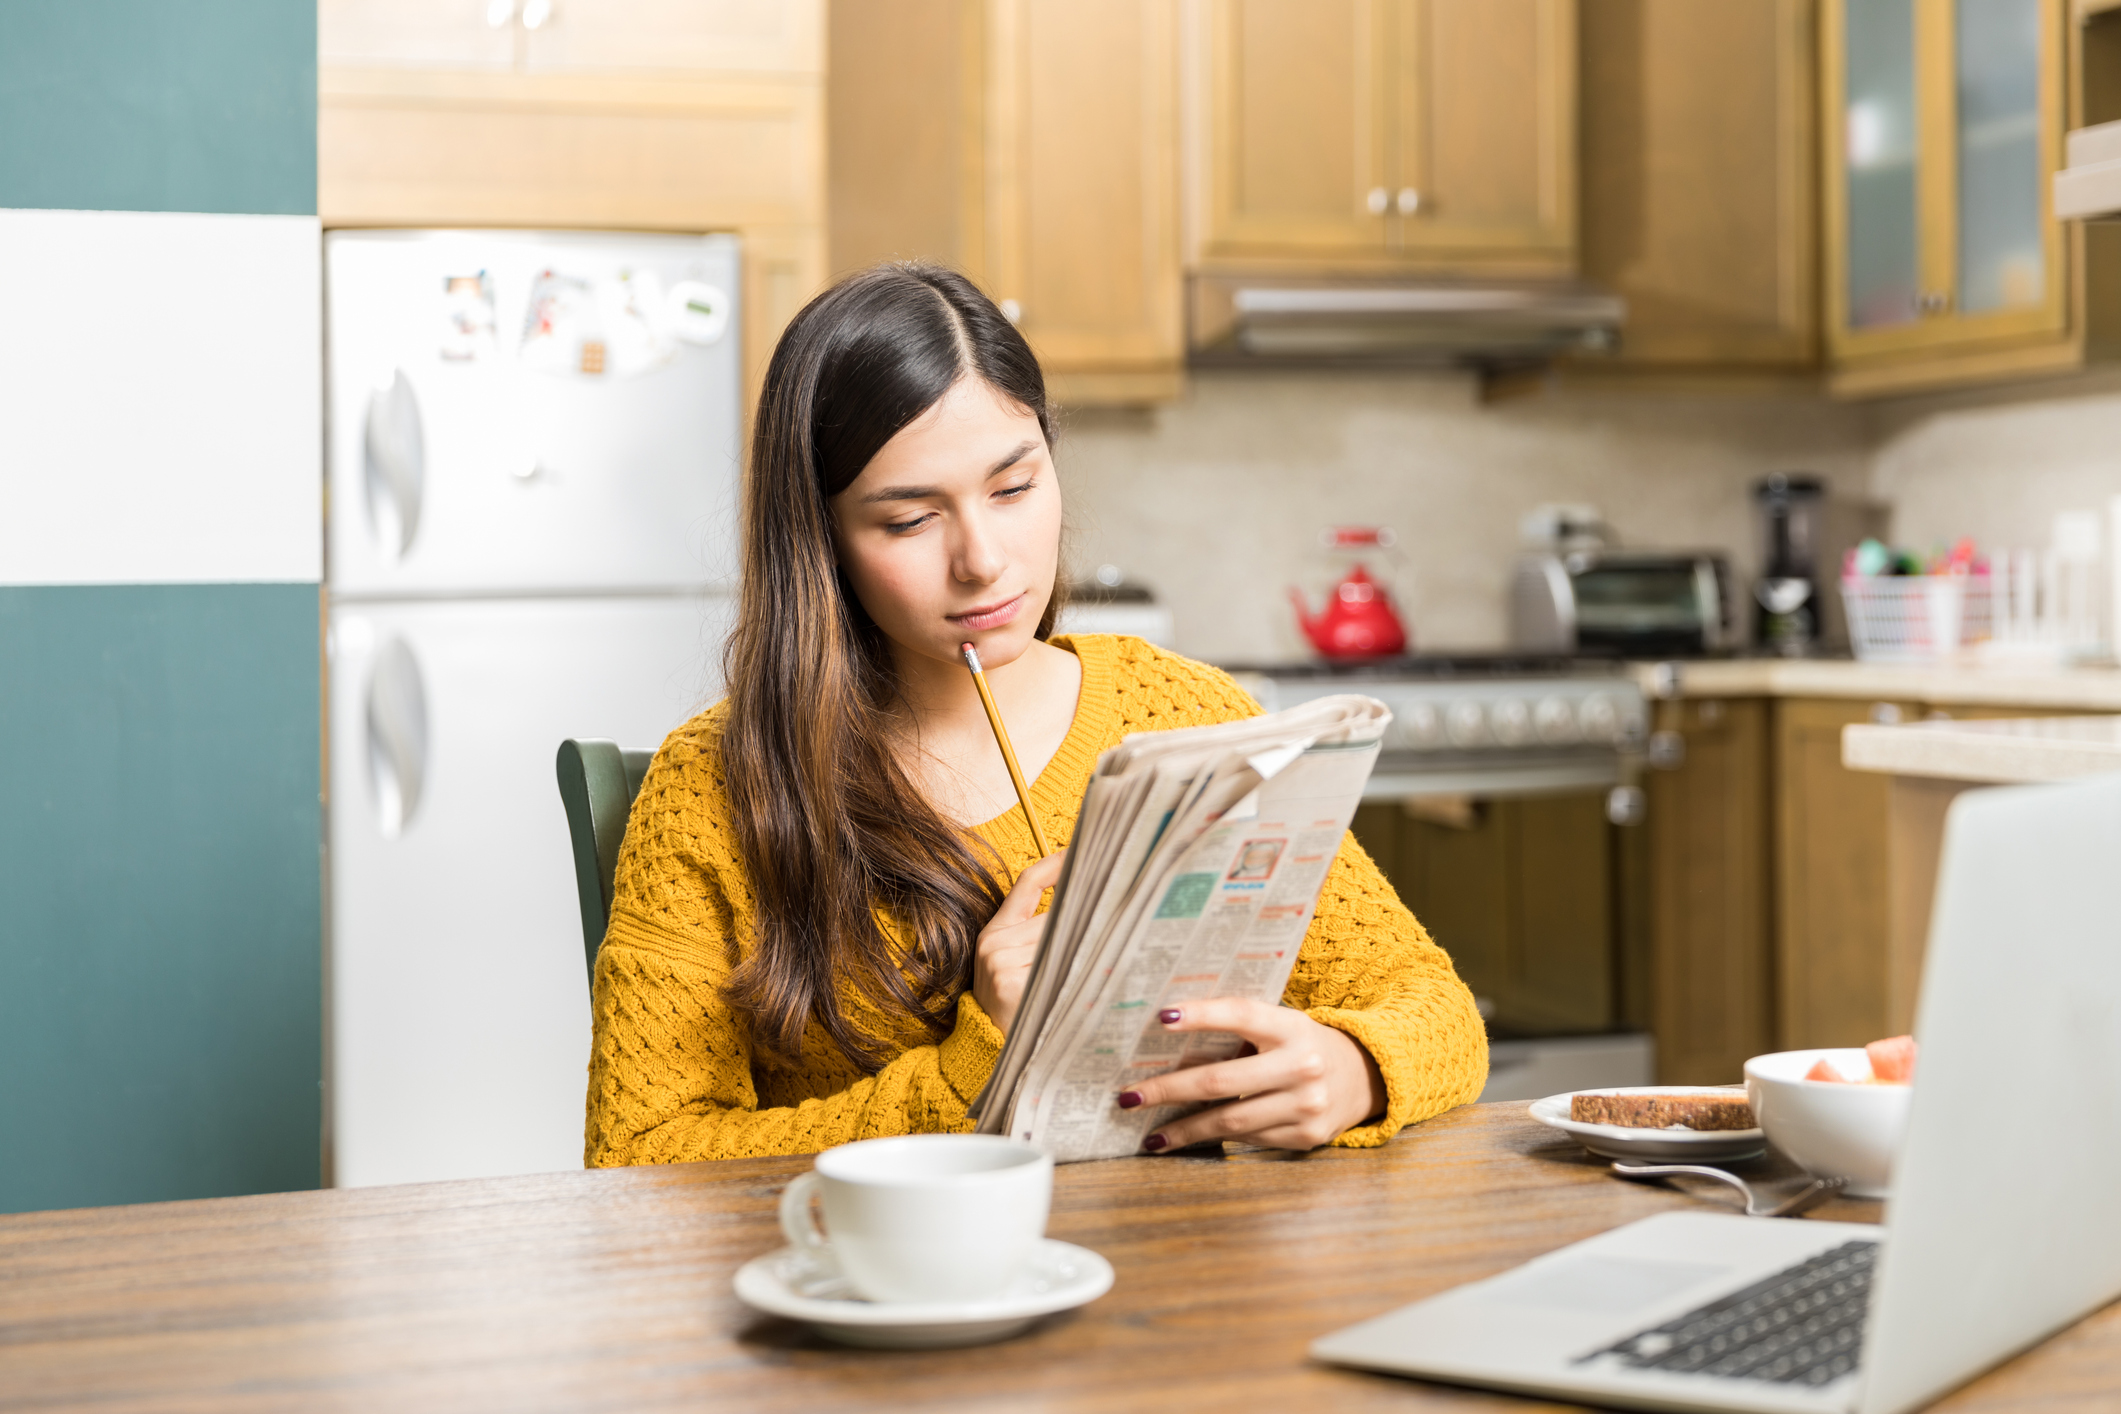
1467 724
1512 722
1599 718
1419 727
1556 723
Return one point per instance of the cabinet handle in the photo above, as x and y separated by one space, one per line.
499 12
1933 302
1012 311
1380 201
1409 201
1667 751
1885 714
536 13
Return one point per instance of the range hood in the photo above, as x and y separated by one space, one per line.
1476 323
2089 187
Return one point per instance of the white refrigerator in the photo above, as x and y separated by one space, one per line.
531 535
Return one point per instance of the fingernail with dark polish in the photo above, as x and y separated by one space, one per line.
1128 1099
1170 1016
1154 1142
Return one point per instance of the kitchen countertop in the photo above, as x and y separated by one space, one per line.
2009 751
2081 689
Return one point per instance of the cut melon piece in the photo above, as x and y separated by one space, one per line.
1823 1069
1892 1060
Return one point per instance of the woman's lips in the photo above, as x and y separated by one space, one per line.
986 618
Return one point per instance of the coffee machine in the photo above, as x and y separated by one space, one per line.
1787 594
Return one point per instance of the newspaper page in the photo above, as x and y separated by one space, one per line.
1193 872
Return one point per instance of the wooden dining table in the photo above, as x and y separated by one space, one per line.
611 1290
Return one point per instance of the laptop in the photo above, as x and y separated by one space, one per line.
2002 1227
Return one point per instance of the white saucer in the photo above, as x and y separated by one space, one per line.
1685 1146
782 1283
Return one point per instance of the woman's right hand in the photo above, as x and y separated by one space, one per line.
1008 945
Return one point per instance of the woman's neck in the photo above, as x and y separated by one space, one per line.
946 744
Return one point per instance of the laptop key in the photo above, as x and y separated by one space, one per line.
1803 1325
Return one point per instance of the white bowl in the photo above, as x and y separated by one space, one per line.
1833 1130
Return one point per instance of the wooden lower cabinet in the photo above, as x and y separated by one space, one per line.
1520 892
1710 1000
1832 905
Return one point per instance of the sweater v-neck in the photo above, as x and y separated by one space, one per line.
1060 784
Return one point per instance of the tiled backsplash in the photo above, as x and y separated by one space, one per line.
1217 502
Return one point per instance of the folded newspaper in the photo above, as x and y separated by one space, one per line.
1194 870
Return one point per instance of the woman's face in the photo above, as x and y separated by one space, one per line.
951 534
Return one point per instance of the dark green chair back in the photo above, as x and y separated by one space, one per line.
598 782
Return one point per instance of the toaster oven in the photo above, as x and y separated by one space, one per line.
1630 604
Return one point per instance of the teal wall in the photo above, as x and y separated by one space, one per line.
159 1014
147 105
161 1007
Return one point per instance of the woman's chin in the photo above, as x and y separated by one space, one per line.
998 647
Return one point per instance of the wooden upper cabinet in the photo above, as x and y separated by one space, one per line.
1082 191
1700 175
453 34
1375 134
1032 144
1944 123
1484 147
1296 127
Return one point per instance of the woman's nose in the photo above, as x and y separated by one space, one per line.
979 556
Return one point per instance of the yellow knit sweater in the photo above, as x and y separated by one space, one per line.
673 1075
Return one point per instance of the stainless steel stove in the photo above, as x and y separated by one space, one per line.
1481 724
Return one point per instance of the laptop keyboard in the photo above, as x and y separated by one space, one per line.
1803 1326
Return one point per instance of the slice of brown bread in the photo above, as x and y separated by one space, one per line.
1705 1111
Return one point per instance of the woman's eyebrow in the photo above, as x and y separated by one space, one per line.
921 493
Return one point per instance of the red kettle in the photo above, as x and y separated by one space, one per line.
1358 621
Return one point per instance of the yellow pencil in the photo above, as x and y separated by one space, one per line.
1001 739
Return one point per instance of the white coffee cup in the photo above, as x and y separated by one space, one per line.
924 1217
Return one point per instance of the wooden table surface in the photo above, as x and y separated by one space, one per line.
610 1290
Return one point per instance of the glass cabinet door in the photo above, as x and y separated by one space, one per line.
2001 166
1883 251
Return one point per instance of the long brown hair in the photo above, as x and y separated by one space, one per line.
833 834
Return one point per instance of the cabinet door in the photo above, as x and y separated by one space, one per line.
1520 894
1700 177
1082 184
1482 143
1944 126
1295 126
1832 915
1708 841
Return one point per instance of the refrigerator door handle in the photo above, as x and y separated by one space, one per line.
397 736
395 454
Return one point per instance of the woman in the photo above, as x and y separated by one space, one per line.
815 937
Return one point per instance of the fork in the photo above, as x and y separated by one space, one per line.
1817 1192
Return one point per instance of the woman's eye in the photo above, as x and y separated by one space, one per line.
1011 493
907 527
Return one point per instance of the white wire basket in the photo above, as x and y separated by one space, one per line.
1918 618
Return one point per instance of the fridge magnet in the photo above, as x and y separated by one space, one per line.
699 312
559 324
636 323
467 318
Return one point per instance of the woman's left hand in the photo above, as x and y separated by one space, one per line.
1305 1085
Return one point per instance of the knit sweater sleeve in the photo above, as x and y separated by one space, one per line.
1369 970
671 1069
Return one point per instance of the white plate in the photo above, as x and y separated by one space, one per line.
1684 1146
1061 1276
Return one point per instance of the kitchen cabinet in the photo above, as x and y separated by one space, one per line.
1520 892
1384 135
1709 945
1832 961
1700 175
620 114
1943 123
1032 144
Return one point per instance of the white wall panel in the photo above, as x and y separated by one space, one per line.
160 398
